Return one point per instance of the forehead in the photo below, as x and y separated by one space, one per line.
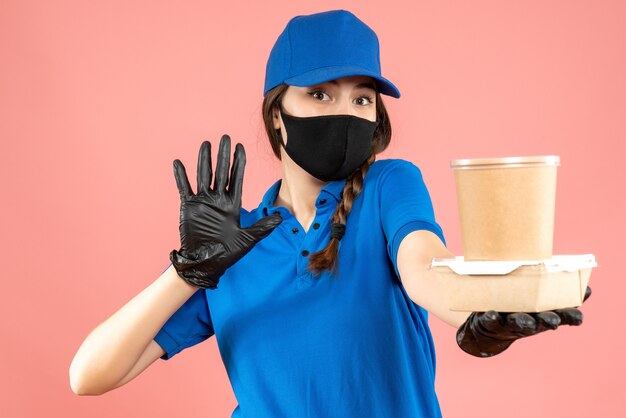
353 82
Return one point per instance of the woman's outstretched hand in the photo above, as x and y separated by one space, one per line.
210 235
485 334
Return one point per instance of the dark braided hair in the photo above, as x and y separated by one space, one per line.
326 259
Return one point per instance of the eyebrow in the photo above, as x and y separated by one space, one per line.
367 84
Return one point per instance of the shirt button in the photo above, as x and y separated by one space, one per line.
322 201
316 225
295 230
305 253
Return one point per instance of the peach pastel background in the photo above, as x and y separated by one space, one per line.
98 98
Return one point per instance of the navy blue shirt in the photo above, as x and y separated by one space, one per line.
346 345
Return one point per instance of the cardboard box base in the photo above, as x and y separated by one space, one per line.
527 289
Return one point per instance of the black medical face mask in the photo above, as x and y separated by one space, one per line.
328 147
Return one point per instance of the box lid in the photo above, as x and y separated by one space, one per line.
556 263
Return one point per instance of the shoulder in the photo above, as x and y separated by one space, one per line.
386 169
393 164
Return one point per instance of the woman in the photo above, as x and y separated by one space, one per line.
318 297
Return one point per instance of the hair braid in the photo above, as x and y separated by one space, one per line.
327 257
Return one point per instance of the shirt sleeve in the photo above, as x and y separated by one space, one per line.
189 325
405 205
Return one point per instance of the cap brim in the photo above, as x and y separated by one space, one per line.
321 75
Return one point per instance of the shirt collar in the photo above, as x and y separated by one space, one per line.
333 189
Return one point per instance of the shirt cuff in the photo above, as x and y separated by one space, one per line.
167 343
405 230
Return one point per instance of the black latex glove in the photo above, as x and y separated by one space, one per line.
485 334
210 235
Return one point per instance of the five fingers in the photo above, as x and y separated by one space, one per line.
522 324
205 172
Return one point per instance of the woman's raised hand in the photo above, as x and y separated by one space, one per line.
210 235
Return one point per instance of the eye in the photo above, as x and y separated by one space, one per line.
369 99
316 94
